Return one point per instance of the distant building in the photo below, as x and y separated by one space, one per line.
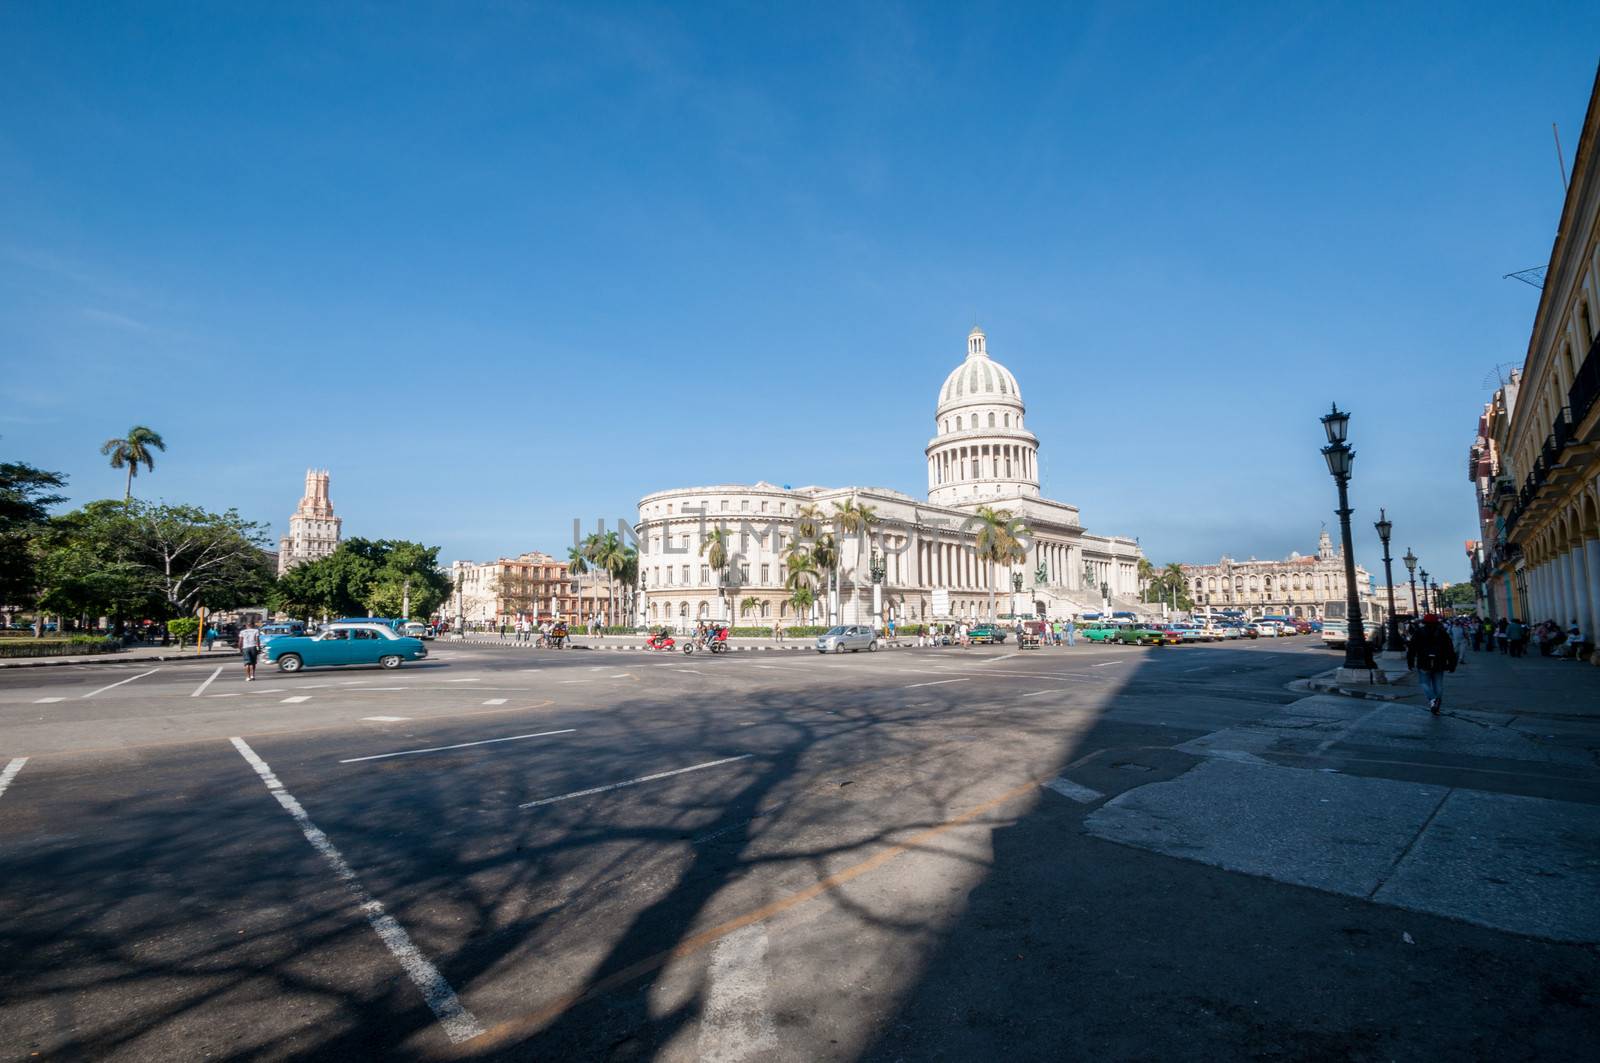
1295 586
313 529
532 586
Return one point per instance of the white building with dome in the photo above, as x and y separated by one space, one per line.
981 455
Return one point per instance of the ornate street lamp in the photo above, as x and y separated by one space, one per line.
1411 568
1340 458
877 570
1424 574
1385 526
1016 589
1434 597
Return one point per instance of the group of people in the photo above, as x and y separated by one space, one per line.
1512 637
1048 632
550 633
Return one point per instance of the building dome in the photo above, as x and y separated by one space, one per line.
980 379
980 449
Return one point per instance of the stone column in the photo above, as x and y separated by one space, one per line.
1591 554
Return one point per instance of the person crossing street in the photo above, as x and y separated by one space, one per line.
1431 653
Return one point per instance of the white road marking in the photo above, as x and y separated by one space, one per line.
297 699
1105 664
1002 657
1038 693
47 701
632 782
235 694
696 671
384 719
459 1023
472 680
1067 788
935 683
385 688
736 1022
119 682
569 682
10 772
621 675
1200 669
209 680
495 701
458 745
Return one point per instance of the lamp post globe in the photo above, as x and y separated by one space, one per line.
1341 460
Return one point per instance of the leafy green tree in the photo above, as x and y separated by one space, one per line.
26 495
365 576
132 450
85 567
407 571
198 558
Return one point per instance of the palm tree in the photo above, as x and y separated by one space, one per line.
1177 581
609 558
852 518
715 548
625 569
749 605
801 598
998 540
825 555
134 450
1147 575
807 522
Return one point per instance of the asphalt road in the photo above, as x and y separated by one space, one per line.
504 853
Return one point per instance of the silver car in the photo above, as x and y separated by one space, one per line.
847 637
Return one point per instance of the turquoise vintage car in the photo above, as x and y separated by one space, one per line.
344 644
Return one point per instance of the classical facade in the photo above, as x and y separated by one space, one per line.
981 455
532 586
1536 459
1296 586
313 529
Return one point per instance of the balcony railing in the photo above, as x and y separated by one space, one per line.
1585 388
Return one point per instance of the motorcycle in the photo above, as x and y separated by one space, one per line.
661 641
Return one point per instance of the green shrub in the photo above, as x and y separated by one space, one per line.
804 632
183 628
750 633
67 647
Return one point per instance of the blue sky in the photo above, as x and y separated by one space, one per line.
498 266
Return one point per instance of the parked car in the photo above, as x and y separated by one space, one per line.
344 644
1266 629
1191 633
1231 631
416 629
1152 634
986 634
1100 631
280 629
852 637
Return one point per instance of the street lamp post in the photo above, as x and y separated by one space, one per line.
1411 569
1016 589
877 570
1340 458
1392 633
1426 607
1434 597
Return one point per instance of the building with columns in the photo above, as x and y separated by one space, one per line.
981 455
313 529
1296 586
1536 458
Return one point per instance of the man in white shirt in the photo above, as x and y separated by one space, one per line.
250 648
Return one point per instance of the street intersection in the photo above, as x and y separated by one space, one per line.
922 853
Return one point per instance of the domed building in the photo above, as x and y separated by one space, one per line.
923 553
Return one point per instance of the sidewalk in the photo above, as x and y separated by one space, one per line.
1489 813
170 654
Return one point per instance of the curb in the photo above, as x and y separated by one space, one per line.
646 649
113 658
1323 685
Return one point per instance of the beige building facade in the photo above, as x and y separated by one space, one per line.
1296 586
1536 458
981 454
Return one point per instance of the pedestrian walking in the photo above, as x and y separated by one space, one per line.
250 648
1072 633
1516 636
1432 654
1458 640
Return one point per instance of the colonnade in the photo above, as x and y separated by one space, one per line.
1566 587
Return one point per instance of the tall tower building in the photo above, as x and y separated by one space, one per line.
980 450
313 529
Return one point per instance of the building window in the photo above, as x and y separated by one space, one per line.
724 505
744 505
685 575
744 572
1008 420
705 574
991 420
766 571
669 509
763 505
